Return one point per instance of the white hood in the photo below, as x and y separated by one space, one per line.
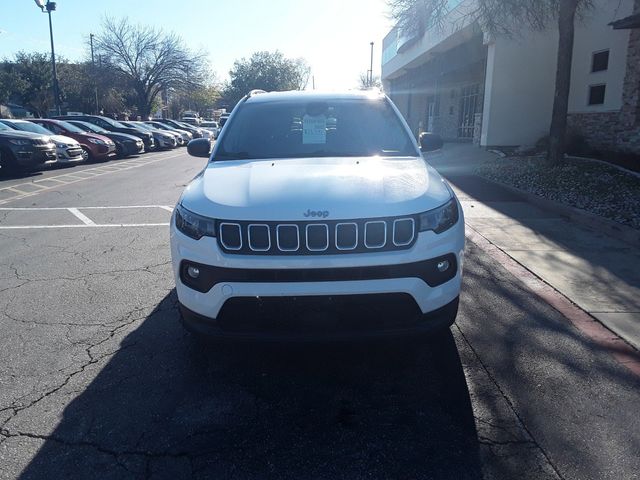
63 139
345 188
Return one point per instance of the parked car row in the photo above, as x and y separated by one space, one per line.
68 139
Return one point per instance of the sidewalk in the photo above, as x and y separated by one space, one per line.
598 273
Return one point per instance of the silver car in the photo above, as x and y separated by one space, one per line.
185 136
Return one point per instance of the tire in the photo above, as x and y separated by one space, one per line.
120 152
86 155
8 164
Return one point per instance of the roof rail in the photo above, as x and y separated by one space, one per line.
255 92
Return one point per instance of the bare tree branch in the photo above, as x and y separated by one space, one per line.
150 59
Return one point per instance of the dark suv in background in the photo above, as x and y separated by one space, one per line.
114 126
196 132
125 144
24 150
94 147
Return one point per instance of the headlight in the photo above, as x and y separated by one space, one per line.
441 218
194 225
17 141
61 145
97 141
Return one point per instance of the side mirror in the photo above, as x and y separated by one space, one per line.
200 147
430 142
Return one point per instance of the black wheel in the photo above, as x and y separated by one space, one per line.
86 154
8 164
121 152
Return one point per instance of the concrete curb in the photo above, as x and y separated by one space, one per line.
623 351
595 222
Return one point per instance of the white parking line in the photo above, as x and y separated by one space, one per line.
69 178
13 189
86 220
155 220
95 225
52 179
18 209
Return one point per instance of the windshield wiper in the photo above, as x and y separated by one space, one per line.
232 156
328 153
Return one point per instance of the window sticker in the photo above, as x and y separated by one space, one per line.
314 130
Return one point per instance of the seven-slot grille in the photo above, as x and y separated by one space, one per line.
315 238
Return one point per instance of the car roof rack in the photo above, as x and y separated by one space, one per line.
255 91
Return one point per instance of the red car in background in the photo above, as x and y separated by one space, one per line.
94 147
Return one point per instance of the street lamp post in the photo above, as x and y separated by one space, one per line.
371 67
93 67
50 7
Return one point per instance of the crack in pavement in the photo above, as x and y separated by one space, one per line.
146 269
83 278
126 321
506 398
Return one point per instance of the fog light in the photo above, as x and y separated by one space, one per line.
443 265
193 272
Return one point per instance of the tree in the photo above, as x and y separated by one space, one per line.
12 85
199 100
269 71
76 87
149 59
366 83
34 71
508 17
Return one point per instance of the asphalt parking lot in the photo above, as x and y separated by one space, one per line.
99 380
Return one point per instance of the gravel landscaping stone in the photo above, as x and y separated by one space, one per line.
590 185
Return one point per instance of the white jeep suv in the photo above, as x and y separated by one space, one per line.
316 217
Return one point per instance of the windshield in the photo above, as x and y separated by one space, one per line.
31 127
113 123
70 127
141 125
88 127
4 127
315 129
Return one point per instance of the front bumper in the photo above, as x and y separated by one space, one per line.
33 155
166 142
346 318
149 144
239 278
102 152
69 155
130 148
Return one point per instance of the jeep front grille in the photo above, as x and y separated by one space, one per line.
314 238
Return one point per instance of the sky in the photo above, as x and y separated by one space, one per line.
333 36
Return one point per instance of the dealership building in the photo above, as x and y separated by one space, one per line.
497 90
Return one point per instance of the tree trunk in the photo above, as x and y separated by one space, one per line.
142 99
558 130
143 105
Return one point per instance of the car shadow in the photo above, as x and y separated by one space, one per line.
167 406
13 174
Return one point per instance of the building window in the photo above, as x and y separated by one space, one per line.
596 94
600 61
